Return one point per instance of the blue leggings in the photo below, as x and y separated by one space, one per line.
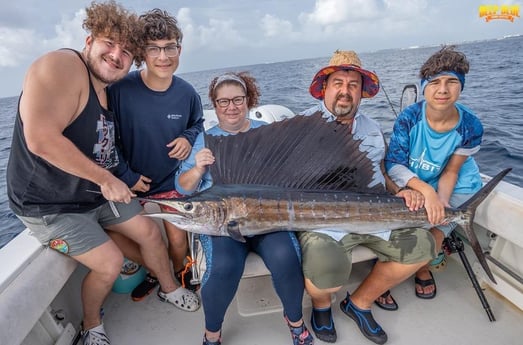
225 260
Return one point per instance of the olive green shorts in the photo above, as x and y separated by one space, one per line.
328 263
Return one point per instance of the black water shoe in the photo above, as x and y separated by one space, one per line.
323 325
365 321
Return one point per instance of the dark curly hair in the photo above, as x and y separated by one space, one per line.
112 20
252 92
158 24
446 59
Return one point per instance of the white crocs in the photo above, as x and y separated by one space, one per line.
181 298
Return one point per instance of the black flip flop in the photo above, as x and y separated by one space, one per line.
425 283
386 306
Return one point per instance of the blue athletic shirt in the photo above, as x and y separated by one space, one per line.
147 121
415 150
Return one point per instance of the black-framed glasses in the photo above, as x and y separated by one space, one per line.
172 50
224 102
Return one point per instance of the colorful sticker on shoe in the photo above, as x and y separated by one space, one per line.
59 245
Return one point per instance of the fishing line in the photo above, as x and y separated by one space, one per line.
388 100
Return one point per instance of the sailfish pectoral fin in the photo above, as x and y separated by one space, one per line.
233 229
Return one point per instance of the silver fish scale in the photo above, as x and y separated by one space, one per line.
305 211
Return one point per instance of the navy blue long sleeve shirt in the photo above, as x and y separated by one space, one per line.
146 121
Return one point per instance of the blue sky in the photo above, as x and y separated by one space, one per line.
227 33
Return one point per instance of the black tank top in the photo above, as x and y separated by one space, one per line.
36 188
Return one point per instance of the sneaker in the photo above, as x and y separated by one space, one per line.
323 325
365 321
181 298
300 335
95 336
185 277
144 288
207 342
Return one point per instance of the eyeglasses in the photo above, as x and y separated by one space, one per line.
224 102
155 51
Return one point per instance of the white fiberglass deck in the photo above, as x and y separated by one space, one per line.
455 316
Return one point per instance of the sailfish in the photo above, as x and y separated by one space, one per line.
302 174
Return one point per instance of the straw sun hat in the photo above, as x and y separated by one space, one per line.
347 61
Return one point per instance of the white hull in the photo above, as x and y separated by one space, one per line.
36 284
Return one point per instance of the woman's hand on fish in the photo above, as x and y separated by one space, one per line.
414 200
181 148
203 159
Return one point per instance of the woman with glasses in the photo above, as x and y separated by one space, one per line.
233 95
158 116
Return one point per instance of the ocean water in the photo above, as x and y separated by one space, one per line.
493 90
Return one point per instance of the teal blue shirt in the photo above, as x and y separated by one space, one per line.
416 150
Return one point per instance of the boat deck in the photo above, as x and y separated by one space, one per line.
455 316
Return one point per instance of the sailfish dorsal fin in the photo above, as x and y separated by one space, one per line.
303 152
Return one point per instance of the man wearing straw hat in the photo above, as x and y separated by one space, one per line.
327 255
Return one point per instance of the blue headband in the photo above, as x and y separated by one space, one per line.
460 76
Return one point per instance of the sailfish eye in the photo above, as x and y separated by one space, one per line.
188 206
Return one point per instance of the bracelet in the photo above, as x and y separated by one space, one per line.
402 188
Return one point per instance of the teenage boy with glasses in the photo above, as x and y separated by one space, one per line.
158 117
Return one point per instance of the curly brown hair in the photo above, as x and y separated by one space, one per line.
112 20
252 92
446 59
158 24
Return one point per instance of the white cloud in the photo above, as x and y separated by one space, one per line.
185 21
408 9
331 12
18 46
220 34
362 20
275 27
216 34
69 33
15 46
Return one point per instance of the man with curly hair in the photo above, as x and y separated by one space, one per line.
63 149
158 116
431 148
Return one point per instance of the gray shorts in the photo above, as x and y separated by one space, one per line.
328 263
76 233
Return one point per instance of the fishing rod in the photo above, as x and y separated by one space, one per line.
409 96
388 100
